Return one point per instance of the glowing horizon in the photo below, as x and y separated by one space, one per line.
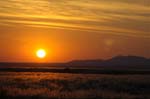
71 29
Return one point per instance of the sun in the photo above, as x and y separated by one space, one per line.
41 53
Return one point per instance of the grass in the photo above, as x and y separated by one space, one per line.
40 85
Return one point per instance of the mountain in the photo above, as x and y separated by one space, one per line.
120 61
85 62
117 62
128 61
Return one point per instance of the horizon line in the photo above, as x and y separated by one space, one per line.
14 62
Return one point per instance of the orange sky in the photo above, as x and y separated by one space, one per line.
73 29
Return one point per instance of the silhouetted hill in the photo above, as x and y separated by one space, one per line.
115 65
85 62
128 61
120 61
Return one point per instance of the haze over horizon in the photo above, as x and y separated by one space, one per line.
73 29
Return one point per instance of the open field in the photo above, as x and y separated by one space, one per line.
79 71
39 85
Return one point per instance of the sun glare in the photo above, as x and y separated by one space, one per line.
41 53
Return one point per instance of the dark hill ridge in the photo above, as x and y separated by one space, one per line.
85 62
115 65
128 61
115 61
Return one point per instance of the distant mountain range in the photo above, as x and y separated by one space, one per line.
118 62
115 61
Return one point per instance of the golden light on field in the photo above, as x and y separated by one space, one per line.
41 53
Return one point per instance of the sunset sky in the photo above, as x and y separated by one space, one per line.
73 29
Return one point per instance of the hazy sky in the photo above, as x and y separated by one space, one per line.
73 29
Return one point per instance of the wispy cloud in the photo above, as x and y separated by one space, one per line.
118 17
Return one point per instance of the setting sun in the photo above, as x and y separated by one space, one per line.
41 53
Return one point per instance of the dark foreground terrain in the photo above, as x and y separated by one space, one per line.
122 77
46 85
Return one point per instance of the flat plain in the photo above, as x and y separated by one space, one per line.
46 85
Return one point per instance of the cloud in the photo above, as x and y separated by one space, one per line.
117 17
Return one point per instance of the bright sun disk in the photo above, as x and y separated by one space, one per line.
41 53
